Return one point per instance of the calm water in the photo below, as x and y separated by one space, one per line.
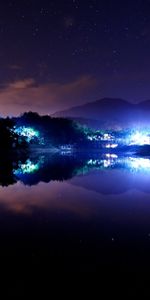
73 213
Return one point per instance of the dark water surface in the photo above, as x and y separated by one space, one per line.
76 214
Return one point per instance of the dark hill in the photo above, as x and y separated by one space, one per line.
110 112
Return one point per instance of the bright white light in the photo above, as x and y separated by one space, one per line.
107 163
108 146
139 138
111 155
107 137
90 138
114 145
139 163
111 146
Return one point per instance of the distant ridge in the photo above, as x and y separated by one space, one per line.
110 112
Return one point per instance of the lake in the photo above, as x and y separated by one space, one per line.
76 213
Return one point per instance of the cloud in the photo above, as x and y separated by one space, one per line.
24 95
21 199
15 67
21 84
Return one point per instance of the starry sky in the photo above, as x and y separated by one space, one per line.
63 53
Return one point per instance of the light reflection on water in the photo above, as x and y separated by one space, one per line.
82 166
71 183
78 210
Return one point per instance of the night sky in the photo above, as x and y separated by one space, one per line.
62 53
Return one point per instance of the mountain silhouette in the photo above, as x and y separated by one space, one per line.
109 113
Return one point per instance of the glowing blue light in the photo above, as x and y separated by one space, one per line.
28 132
93 162
27 168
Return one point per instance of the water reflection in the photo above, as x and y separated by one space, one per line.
92 207
36 168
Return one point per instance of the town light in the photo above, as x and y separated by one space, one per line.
139 138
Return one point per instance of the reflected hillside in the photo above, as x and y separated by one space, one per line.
8 165
34 168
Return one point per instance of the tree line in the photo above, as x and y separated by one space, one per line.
51 131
